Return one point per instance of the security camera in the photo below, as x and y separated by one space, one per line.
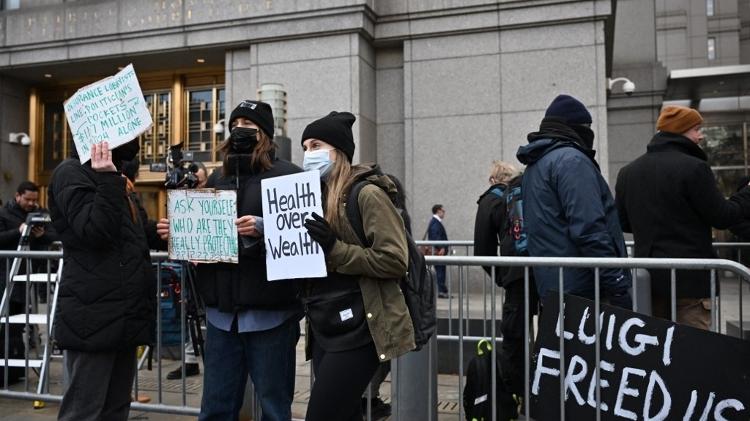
21 138
628 87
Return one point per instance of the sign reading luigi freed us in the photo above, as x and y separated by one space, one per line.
112 110
201 225
287 202
649 369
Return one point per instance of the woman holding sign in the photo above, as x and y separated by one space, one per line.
357 316
252 324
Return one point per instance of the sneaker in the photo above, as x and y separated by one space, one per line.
443 295
191 369
380 409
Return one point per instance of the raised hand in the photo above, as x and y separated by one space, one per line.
101 158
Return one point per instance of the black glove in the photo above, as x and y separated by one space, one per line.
321 232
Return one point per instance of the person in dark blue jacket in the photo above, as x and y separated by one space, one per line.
436 232
568 208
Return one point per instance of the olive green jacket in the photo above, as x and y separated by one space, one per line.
381 267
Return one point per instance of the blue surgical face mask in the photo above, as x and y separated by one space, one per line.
318 160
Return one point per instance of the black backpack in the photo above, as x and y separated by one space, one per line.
478 388
417 285
512 235
515 228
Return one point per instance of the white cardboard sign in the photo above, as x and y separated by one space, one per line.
112 110
287 202
201 225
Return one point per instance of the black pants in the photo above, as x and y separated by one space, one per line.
100 386
512 327
340 380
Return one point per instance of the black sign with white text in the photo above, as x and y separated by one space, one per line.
650 369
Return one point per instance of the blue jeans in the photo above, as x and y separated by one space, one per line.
267 356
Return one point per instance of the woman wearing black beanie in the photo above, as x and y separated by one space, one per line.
252 324
356 317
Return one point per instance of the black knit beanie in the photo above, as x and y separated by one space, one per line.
258 112
569 109
334 129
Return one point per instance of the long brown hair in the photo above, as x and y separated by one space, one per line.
260 160
339 181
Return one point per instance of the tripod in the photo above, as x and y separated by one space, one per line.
180 290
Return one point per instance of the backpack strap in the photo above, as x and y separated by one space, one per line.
497 191
353 214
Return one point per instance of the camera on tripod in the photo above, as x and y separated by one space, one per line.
180 168
38 219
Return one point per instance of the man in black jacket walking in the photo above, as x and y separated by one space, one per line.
669 200
107 299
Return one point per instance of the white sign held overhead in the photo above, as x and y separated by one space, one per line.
112 109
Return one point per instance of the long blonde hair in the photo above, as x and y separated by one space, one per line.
339 181
260 160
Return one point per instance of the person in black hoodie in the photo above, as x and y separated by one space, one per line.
669 200
252 324
490 232
107 300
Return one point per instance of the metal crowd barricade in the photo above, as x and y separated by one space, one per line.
462 264
713 265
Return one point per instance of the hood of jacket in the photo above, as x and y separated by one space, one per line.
373 174
553 133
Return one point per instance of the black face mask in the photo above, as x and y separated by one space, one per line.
126 152
586 135
243 140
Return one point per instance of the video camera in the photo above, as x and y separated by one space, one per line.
180 168
38 219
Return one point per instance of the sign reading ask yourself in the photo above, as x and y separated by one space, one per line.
201 225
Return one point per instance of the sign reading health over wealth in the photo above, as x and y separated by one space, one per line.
112 109
287 202
649 369
201 225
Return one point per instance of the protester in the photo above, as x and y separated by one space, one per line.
107 298
436 232
252 324
491 230
669 200
378 408
567 206
362 282
12 226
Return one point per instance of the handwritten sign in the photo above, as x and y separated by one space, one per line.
201 225
112 109
650 369
287 202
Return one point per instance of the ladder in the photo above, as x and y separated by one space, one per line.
26 318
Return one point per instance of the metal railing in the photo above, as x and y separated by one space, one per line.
461 264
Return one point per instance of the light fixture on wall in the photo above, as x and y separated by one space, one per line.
19 138
628 86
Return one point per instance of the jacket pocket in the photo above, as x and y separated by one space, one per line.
336 316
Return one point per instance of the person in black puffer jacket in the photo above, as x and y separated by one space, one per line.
107 299
668 198
253 324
